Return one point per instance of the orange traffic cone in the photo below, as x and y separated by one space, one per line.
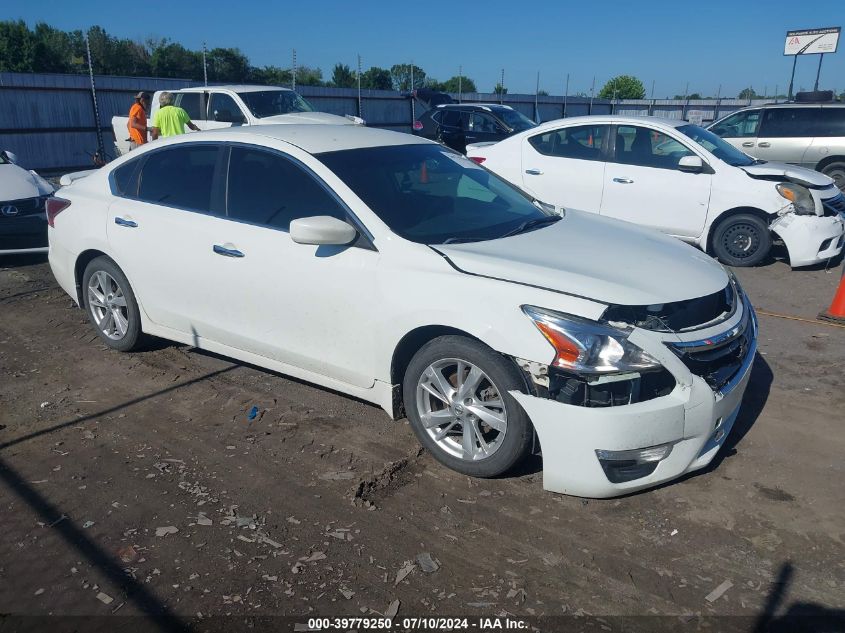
836 311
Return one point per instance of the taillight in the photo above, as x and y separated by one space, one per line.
54 207
477 159
418 125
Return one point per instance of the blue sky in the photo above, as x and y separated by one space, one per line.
732 43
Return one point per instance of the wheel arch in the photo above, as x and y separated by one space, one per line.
84 258
411 343
827 160
723 217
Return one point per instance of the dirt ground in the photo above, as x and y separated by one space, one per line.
137 484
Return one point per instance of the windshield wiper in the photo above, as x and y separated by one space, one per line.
462 240
531 224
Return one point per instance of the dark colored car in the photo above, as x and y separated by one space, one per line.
458 125
23 218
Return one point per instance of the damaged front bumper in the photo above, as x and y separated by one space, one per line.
609 451
810 239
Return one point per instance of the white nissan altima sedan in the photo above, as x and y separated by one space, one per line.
390 268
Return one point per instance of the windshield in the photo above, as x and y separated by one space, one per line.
515 120
272 102
432 195
719 148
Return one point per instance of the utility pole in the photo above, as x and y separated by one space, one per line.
100 156
460 83
502 88
718 102
592 90
413 96
359 87
565 95
537 99
293 72
204 66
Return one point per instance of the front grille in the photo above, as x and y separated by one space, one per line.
835 205
717 361
26 206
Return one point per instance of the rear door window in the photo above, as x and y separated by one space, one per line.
267 189
789 122
583 142
831 122
191 102
180 176
451 118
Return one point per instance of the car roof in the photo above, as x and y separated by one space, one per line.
609 119
796 104
469 106
233 88
314 139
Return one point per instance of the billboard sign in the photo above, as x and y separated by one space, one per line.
812 41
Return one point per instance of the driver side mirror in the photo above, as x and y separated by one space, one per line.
322 230
13 158
692 164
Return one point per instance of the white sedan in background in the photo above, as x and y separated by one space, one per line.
678 178
390 268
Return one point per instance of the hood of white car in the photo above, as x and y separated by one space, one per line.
17 183
308 117
798 175
598 258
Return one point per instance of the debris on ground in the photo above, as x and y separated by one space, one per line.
167 529
427 564
404 571
392 609
718 591
105 598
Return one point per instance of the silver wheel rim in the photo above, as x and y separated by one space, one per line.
108 305
461 409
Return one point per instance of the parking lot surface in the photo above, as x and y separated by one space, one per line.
179 483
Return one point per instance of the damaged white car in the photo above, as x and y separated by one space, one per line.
385 266
678 178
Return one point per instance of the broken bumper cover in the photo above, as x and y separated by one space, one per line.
810 239
693 420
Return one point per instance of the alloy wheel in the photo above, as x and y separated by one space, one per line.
461 409
108 305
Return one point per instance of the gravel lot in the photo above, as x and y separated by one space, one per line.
136 484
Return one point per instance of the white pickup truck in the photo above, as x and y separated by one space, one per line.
212 107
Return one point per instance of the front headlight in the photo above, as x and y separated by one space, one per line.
587 347
799 196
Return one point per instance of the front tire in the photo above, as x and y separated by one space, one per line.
836 170
456 396
742 240
111 305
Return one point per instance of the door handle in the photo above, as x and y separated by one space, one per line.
748 144
534 172
227 252
123 222
764 144
623 181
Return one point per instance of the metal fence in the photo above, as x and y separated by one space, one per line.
48 120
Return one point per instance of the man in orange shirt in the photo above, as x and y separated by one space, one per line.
138 120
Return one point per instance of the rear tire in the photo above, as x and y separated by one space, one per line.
836 170
742 240
457 400
111 305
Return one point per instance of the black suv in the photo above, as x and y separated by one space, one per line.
459 124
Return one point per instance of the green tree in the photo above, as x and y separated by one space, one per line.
174 60
343 77
226 65
451 85
376 78
622 87
542 93
747 93
400 75
270 76
53 51
308 76
500 89
693 95
17 48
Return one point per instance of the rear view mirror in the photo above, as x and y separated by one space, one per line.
322 229
691 164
